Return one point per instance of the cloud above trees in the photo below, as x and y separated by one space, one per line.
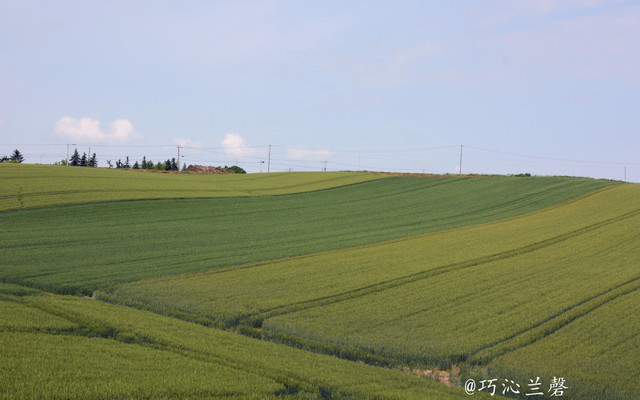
234 146
87 129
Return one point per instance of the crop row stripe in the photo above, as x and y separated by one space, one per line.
552 324
92 327
257 318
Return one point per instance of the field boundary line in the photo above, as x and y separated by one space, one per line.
257 318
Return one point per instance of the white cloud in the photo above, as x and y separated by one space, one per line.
234 146
300 153
120 130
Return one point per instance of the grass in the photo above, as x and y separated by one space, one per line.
27 186
77 249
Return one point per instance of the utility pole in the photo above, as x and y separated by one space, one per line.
178 163
625 173
269 163
68 152
460 167
325 166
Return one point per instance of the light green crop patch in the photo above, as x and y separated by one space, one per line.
31 186
127 353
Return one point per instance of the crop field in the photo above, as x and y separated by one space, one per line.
470 295
288 285
63 347
77 249
31 186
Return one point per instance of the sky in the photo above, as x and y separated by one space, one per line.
547 87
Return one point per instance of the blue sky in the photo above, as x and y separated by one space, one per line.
549 87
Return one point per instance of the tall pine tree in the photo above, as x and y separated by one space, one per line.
75 159
17 156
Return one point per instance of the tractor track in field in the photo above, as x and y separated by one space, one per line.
91 327
553 323
256 319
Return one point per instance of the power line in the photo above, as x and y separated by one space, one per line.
551 158
429 159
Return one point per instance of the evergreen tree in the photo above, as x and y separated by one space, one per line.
119 163
126 163
184 167
144 162
93 161
167 165
174 166
17 156
84 162
75 159
136 165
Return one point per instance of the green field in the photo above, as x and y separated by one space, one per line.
502 278
62 347
32 186
77 249
469 295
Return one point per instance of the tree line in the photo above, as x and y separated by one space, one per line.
77 160
16 157
167 165
84 161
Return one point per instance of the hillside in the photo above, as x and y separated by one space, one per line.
487 297
502 278
27 186
76 249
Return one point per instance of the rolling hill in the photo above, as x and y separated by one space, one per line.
506 278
